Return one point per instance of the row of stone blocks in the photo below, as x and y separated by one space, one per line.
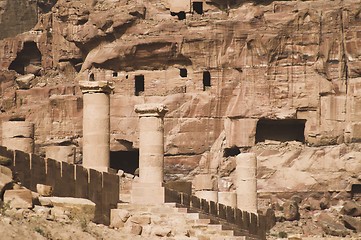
67 180
249 223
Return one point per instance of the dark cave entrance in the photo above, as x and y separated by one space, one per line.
206 80
139 85
356 190
198 7
280 130
29 55
183 72
128 161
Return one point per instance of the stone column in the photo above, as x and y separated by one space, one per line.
96 124
61 153
149 189
246 182
18 135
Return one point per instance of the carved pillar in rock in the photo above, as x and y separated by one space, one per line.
149 189
61 153
246 170
18 135
96 124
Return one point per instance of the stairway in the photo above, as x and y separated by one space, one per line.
169 221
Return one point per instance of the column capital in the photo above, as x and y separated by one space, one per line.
151 110
96 87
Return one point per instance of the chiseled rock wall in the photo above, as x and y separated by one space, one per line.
274 60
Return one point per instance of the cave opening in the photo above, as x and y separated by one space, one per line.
206 80
280 130
128 161
181 15
28 56
139 85
198 7
183 72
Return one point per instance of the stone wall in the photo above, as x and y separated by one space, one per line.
245 223
67 180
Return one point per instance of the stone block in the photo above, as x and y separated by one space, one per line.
213 209
228 198
195 202
179 6
79 208
118 217
147 193
230 214
44 190
203 182
205 205
222 211
172 196
21 198
355 135
38 171
23 168
81 182
240 132
61 153
186 199
207 195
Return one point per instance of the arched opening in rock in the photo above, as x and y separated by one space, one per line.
27 60
128 161
183 72
206 80
280 130
115 74
139 85
198 7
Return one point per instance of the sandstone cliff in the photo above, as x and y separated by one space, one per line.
219 66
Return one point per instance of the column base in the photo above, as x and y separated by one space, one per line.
147 194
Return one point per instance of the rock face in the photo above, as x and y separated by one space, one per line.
232 76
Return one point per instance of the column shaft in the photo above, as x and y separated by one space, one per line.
151 149
96 130
246 182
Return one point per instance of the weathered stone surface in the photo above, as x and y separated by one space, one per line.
5 161
118 217
331 226
6 179
24 82
21 198
290 211
78 207
352 223
44 190
352 208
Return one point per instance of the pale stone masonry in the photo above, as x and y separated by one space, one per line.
61 153
149 189
18 135
96 124
246 185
